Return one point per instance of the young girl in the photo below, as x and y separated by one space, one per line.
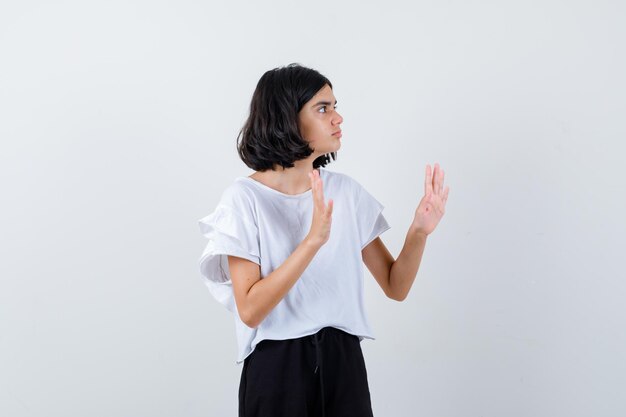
290 266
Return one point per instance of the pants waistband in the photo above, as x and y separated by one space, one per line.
318 338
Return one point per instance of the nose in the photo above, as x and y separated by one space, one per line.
338 119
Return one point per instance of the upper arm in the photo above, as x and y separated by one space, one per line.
244 274
378 260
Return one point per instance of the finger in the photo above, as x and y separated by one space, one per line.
443 178
313 189
330 207
428 182
436 175
320 187
445 195
440 181
319 193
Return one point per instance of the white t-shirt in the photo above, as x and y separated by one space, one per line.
263 225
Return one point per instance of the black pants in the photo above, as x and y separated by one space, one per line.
318 375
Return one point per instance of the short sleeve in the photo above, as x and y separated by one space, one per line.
370 219
229 233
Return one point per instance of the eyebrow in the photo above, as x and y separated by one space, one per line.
327 103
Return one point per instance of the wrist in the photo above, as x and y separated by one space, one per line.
311 243
417 231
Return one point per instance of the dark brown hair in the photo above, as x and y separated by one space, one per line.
270 135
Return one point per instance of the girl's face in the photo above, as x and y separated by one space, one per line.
319 122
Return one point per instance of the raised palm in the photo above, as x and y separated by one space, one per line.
432 206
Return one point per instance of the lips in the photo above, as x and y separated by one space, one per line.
337 133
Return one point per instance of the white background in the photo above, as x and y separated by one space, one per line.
118 122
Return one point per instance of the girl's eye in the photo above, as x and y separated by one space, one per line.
324 107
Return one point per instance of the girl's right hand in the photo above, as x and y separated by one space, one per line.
322 214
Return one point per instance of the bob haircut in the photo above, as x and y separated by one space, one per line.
270 135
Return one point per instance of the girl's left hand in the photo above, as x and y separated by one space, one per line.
432 206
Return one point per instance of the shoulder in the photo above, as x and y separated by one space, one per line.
340 180
343 181
238 197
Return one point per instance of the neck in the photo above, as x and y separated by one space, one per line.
294 180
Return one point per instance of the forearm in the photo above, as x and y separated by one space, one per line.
404 269
266 293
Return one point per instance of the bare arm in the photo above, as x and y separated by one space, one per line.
256 297
395 277
404 269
